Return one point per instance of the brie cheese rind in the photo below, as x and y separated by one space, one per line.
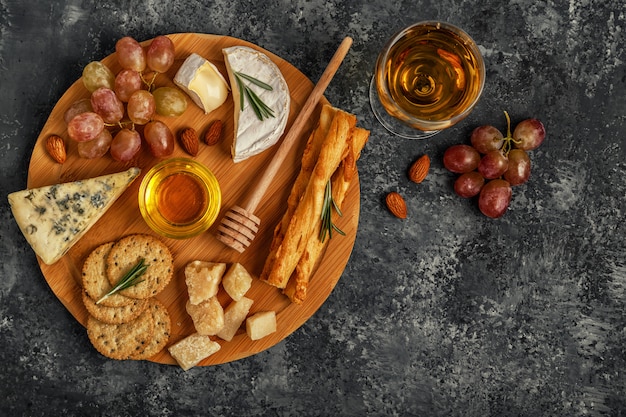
203 82
253 136
54 217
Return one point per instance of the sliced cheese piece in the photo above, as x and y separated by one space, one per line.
53 218
203 82
253 136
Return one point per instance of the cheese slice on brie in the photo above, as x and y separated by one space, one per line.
54 217
203 82
252 135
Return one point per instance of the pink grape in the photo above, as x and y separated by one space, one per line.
494 198
125 145
127 81
159 137
106 104
469 184
77 107
529 134
486 138
461 158
96 147
160 54
141 107
493 164
85 126
518 171
130 54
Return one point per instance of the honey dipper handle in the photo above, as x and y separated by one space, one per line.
298 124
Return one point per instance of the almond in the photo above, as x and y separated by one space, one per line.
396 205
419 169
56 148
213 133
189 141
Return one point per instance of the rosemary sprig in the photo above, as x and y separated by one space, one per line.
261 109
132 277
327 222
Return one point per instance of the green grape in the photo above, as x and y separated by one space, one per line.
96 75
169 101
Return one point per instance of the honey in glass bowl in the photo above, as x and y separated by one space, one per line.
179 198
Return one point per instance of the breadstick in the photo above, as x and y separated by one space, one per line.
297 285
309 157
309 208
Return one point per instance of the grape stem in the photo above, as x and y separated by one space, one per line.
150 83
508 140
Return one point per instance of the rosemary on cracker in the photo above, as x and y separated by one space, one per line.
131 278
327 208
261 109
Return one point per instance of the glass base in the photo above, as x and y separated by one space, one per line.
392 124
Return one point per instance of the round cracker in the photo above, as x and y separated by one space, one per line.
114 315
128 251
162 327
95 281
121 341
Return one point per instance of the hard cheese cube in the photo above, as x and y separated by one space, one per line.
203 280
261 324
191 350
208 316
234 315
237 281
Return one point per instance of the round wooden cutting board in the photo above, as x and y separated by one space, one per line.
236 181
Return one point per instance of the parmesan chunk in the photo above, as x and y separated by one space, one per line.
189 351
237 281
203 280
208 316
261 324
234 315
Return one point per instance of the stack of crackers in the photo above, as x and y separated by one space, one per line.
132 323
330 155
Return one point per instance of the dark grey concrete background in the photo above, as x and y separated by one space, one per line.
447 313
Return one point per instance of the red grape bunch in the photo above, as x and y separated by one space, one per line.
493 163
105 122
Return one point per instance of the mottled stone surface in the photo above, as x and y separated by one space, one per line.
447 313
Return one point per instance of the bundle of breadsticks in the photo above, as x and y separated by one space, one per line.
330 154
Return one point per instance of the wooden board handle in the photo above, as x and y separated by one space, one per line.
294 132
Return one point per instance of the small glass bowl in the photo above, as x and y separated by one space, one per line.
179 198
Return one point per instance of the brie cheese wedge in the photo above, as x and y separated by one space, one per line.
253 136
203 82
53 218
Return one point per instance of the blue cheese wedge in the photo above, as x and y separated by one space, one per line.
253 136
53 218
203 82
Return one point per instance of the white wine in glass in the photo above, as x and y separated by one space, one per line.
428 77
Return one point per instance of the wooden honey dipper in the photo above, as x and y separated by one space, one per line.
239 225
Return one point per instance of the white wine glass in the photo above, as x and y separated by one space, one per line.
428 77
